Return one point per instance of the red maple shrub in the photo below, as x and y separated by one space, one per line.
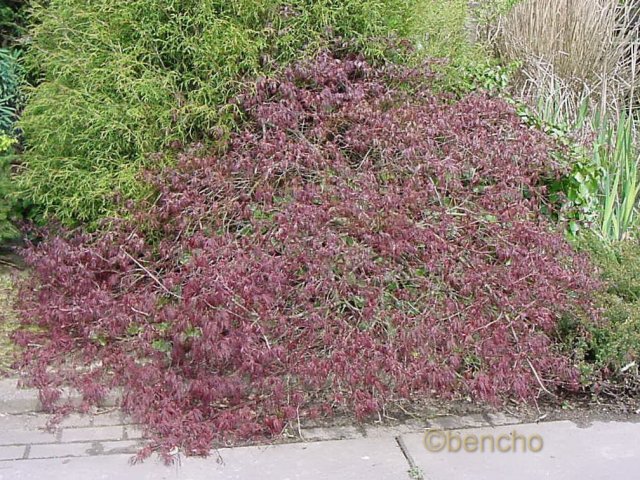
362 240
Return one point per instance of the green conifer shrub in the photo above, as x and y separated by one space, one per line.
118 81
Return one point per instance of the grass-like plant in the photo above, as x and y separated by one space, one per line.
616 156
578 73
572 51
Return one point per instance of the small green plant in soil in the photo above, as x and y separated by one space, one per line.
8 204
610 346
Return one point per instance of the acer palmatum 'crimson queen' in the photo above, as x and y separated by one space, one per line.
362 240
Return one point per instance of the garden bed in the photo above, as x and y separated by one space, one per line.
362 241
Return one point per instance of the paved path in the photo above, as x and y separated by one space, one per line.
472 447
101 447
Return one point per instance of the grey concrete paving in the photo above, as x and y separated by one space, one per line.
555 450
337 459
14 400
469 447
99 448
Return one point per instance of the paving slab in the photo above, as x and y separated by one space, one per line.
12 452
27 437
92 434
334 433
108 418
81 449
14 400
486 446
554 450
63 450
373 459
29 421
17 400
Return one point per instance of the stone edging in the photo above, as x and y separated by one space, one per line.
15 400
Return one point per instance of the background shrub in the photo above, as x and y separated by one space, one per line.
8 204
9 105
10 21
450 34
11 100
572 52
116 81
10 93
614 342
584 93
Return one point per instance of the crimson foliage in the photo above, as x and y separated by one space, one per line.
361 241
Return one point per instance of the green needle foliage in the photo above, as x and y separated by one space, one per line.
118 81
